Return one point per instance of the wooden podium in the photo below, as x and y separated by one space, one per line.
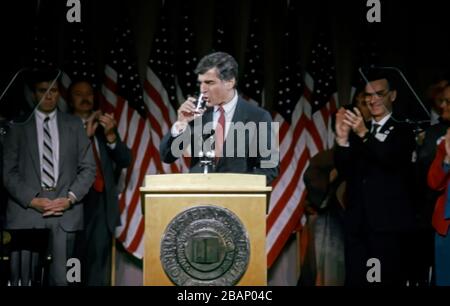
166 196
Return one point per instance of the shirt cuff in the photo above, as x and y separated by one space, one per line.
178 128
344 145
72 196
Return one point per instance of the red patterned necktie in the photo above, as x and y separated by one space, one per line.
220 133
99 183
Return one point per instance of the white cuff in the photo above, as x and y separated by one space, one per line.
178 128
73 196
345 145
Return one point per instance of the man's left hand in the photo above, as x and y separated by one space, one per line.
109 124
57 207
356 121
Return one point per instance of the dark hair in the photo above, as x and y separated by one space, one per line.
43 75
75 82
226 65
375 74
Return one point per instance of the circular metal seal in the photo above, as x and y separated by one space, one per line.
204 246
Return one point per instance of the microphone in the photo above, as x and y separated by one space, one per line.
28 93
208 135
409 86
12 81
413 122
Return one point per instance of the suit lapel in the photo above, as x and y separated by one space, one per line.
101 147
208 117
240 115
63 137
387 126
32 139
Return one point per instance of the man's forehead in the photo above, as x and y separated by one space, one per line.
209 74
46 84
376 85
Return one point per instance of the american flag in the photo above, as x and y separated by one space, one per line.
253 81
187 58
320 94
160 89
44 47
40 57
288 190
221 34
78 60
367 56
40 54
122 94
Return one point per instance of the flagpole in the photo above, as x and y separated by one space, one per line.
113 261
38 7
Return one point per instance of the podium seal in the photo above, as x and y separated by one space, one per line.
205 246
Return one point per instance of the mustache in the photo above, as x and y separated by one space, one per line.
87 102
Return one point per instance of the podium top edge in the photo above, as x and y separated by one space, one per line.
209 182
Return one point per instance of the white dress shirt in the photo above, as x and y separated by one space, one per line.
53 126
381 122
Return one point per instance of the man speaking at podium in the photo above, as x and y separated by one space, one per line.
244 137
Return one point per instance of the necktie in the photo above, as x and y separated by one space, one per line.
99 183
48 169
375 127
220 133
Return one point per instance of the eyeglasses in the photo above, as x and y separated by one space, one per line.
446 101
377 95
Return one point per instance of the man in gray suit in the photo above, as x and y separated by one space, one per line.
48 169
244 137
101 205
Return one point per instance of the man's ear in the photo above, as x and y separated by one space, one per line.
231 83
393 95
34 96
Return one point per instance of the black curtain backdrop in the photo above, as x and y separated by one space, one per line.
411 36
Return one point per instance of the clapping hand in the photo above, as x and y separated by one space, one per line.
92 123
342 128
356 121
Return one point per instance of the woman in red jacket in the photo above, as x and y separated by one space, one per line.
439 179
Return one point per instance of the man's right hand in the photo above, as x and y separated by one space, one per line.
92 123
41 204
187 112
342 129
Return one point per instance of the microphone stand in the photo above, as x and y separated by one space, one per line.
207 156
416 123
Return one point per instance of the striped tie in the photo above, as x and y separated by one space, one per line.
48 171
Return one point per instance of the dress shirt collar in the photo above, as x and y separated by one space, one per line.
382 121
227 107
42 115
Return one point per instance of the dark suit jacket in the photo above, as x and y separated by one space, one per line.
378 175
245 163
112 160
22 172
3 194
